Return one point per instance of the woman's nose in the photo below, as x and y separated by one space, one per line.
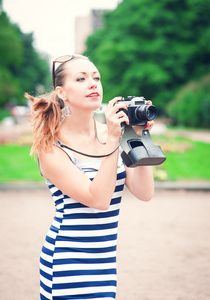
93 83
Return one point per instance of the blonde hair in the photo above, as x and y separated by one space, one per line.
46 121
46 115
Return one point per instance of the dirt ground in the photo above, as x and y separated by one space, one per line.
163 245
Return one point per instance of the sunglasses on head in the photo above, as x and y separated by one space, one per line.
63 59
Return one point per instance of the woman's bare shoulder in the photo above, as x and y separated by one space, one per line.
52 159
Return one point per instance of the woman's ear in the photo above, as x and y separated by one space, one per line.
61 94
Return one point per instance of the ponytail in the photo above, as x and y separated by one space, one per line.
46 121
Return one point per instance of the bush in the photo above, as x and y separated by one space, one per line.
4 113
191 106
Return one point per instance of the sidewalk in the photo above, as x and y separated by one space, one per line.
183 185
163 245
159 185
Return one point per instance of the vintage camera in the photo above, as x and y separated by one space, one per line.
139 150
138 111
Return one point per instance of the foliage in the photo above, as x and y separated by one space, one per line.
21 67
34 70
4 113
191 106
150 48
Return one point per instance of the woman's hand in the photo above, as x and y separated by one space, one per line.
115 116
138 129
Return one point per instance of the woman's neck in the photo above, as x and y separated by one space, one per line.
78 124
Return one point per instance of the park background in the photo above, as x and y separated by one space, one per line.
159 50
156 49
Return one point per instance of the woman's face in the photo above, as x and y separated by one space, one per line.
82 86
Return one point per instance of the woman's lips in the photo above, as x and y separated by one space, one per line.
93 95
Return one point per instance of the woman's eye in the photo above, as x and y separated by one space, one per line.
97 78
80 79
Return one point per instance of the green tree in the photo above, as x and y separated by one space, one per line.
150 48
11 56
191 106
21 67
34 70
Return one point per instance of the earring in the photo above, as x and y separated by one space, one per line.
66 111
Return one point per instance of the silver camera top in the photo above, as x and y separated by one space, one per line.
135 101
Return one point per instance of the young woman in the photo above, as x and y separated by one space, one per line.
80 160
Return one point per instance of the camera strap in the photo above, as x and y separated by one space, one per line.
85 154
130 137
140 150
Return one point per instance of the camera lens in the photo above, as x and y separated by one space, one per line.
146 112
151 112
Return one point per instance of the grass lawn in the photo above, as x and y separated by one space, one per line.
186 160
17 165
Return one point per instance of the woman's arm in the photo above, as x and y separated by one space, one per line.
140 182
60 170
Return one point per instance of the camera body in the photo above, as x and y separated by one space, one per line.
139 150
138 111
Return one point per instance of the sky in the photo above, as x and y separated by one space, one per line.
52 21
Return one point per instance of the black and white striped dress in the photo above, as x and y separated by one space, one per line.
78 259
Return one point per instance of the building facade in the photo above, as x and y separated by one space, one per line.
85 26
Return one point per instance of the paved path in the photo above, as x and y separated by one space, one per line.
163 246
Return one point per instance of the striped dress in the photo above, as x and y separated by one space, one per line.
78 258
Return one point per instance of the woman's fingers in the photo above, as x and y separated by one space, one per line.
149 125
115 116
114 100
115 110
114 105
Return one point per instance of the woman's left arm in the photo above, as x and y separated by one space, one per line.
140 180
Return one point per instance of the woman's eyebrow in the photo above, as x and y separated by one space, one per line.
84 73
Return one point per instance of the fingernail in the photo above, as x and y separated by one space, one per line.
145 126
